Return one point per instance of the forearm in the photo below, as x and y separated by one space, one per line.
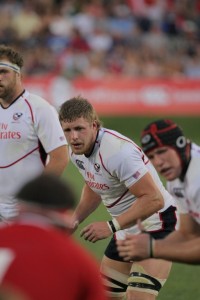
84 209
58 160
55 168
182 245
176 247
141 209
179 246
185 251
88 203
149 201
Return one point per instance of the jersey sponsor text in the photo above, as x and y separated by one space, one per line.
97 185
9 135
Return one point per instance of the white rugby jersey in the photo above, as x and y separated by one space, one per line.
29 129
187 192
115 164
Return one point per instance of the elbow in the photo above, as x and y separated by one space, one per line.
64 158
62 161
155 203
65 161
159 201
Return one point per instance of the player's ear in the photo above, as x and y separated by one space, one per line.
94 124
19 76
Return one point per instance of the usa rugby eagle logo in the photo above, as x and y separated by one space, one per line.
17 115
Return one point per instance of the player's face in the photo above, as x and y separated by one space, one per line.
80 135
166 161
8 82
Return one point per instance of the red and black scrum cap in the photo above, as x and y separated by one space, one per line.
161 133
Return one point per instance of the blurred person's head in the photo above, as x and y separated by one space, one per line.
80 124
50 196
164 143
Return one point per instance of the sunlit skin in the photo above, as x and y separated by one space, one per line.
166 161
10 86
80 135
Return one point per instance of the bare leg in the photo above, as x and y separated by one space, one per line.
144 283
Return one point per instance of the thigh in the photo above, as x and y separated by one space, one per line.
115 277
156 267
137 280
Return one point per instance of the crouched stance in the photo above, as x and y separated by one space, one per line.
117 173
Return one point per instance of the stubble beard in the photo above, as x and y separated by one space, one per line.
7 94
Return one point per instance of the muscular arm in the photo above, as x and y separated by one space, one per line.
88 203
182 245
58 160
149 200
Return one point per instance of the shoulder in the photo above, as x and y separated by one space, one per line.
116 144
114 136
193 172
195 150
40 108
115 141
37 101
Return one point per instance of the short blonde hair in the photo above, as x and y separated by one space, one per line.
78 107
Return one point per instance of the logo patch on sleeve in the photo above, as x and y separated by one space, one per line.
136 175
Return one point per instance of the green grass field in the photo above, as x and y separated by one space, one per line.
183 280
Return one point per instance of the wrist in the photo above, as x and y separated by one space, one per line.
113 225
76 223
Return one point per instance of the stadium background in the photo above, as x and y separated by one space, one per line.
136 60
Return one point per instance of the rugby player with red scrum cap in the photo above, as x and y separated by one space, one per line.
177 159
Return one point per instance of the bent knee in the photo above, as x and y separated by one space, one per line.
140 281
115 282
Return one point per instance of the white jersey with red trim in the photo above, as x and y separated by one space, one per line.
29 130
187 192
115 164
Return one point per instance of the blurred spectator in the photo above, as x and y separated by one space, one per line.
100 40
96 68
146 32
26 22
84 20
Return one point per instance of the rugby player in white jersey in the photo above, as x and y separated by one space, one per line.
30 132
118 173
177 159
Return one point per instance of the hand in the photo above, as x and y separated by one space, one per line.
134 247
96 231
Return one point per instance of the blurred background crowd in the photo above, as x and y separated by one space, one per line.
99 38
